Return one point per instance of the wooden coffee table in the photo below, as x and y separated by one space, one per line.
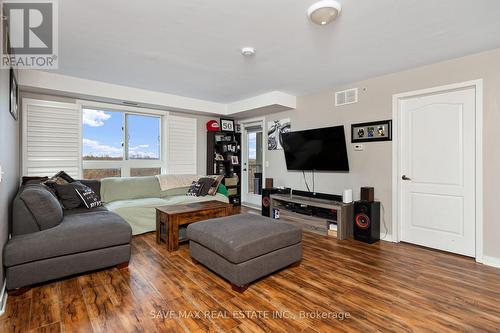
169 218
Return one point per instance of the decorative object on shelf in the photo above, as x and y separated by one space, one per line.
234 160
367 194
274 130
14 95
347 196
227 125
232 181
213 126
219 157
373 131
237 128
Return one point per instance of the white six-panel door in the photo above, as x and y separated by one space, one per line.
438 170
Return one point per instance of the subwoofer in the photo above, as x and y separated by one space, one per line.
367 221
266 198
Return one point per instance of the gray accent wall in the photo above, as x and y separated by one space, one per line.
373 166
9 160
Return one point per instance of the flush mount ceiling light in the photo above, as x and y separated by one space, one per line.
248 51
324 12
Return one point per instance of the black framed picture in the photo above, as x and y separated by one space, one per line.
372 131
227 125
14 95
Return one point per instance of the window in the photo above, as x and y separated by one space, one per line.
120 144
102 135
143 137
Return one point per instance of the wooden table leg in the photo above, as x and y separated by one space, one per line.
173 234
158 228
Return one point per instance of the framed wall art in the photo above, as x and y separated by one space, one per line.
14 95
227 125
373 131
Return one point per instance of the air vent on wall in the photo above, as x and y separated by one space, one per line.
348 96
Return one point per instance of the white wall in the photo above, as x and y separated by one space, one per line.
373 167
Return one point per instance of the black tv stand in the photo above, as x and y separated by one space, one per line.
324 196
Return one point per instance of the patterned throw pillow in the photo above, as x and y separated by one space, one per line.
194 189
59 178
201 187
217 180
89 198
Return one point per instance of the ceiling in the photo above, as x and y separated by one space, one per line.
191 48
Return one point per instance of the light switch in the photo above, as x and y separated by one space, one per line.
1 173
359 147
267 164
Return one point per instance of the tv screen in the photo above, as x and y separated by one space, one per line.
322 149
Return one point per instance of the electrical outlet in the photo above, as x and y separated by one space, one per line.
359 147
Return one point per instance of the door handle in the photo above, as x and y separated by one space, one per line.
405 178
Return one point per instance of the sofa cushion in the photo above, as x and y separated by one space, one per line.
77 233
23 221
84 210
68 195
113 189
43 206
175 192
239 238
141 213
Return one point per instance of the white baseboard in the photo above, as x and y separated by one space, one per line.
491 261
387 238
249 205
3 298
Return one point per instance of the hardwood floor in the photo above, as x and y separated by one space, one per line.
380 287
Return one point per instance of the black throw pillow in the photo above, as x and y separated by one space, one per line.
68 196
201 187
194 189
89 198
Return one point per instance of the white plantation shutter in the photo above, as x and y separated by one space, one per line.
181 146
51 138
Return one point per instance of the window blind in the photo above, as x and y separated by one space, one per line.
181 146
51 138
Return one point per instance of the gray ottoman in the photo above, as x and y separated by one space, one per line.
243 248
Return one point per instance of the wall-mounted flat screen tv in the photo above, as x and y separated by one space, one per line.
322 149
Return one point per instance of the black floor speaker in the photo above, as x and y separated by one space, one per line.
367 221
266 198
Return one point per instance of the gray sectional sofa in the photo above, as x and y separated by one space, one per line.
49 242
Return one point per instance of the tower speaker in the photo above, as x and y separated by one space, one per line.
367 221
266 198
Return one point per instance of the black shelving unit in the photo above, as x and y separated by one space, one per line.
221 146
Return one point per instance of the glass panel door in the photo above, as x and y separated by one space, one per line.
252 164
